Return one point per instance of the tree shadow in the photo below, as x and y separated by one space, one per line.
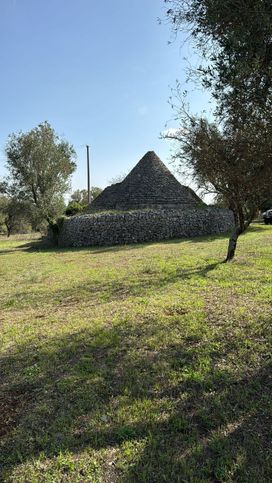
106 291
108 389
42 245
256 228
5 252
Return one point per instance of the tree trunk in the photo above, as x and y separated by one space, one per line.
233 243
54 229
241 218
8 227
240 228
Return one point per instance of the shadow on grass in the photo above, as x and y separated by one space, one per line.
43 246
162 414
105 291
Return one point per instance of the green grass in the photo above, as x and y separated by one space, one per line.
146 363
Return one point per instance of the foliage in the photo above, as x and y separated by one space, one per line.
237 54
40 165
15 215
233 164
39 222
145 363
233 156
3 228
236 164
117 179
266 205
74 208
52 234
81 196
95 192
79 200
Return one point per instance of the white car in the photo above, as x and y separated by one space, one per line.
267 217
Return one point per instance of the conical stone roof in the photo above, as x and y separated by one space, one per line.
150 184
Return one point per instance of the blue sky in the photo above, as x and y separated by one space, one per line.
99 71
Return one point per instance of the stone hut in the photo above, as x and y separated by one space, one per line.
150 184
148 205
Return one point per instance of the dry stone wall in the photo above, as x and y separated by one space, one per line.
143 226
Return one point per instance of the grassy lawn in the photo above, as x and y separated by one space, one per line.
146 363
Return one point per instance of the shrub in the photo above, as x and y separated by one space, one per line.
74 208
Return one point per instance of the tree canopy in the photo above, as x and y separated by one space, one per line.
15 215
40 166
81 196
79 200
232 156
235 39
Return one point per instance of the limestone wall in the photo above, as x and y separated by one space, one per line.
142 226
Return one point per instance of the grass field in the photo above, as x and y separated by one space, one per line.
146 363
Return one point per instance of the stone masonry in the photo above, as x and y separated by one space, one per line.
150 184
149 205
143 226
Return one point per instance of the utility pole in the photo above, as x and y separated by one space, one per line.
88 175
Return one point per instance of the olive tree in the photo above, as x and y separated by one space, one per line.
15 215
234 164
81 196
235 40
231 157
40 165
